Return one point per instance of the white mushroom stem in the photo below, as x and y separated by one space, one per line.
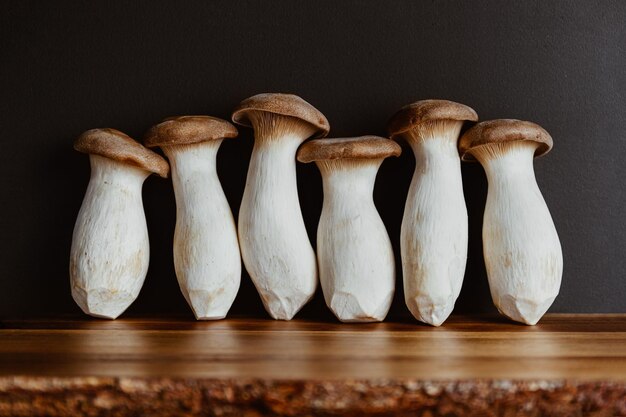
206 250
520 243
110 249
274 243
434 226
355 256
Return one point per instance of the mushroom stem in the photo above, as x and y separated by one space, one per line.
206 251
521 246
274 243
434 225
356 260
110 249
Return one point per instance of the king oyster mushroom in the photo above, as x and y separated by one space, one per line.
520 243
206 250
434 227
355 257
110 249
274 243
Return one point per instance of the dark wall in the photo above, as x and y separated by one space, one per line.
70 66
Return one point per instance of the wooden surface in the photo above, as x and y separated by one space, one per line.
578 359
560 347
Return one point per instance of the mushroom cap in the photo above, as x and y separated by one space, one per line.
361 147
283 104
118 146
186 130
504 130
422 111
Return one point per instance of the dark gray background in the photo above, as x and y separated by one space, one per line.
70 66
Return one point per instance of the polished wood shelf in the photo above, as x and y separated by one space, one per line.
575 363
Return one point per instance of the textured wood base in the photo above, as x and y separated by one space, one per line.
200 397
473 366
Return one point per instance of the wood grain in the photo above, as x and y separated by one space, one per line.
583 348
569 365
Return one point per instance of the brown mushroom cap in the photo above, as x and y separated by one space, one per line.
283 104
186 130
362 147
118 146
504 130
422 111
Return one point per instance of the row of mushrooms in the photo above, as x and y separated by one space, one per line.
355 261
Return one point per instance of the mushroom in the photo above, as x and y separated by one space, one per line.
110 249
206 250
274 243
520 243
355 256
433 237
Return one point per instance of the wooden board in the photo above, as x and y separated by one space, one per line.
563 352
561 347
